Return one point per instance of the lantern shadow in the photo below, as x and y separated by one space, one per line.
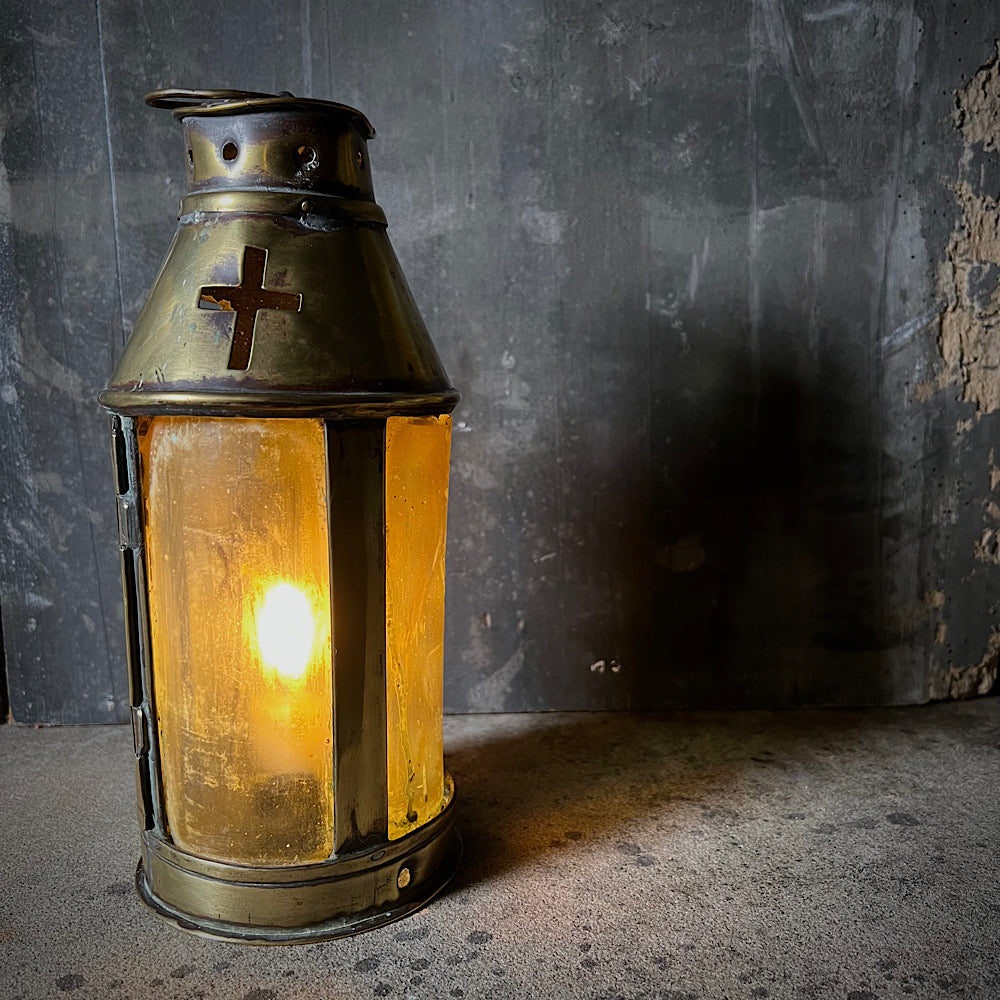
726 555
766 542
726 550
551 785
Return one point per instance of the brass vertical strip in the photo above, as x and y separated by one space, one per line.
356 498
132 540
119 455
119 458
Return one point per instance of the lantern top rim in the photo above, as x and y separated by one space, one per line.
184 103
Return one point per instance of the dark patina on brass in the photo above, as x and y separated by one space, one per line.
281 296
289 176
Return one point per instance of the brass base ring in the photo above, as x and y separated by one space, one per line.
301 904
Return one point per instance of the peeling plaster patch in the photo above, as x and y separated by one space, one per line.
967 682
969 330
987 549
682 556
969 333
977 106
970 336
934 599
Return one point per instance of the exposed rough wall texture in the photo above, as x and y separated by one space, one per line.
969 339
717 279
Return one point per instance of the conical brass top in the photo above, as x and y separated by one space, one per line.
281 293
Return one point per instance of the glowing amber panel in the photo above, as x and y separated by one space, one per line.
416 511
239 599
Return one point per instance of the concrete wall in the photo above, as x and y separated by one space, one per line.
718 281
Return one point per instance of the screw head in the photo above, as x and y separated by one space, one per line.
403 879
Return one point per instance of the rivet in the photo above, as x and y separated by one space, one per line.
378 855
306 206
403 879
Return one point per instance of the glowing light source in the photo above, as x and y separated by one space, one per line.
286 630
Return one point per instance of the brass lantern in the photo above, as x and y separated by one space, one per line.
281 438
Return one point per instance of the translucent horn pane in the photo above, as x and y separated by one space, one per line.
239 596
416 513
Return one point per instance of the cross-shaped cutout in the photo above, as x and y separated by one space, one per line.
246 299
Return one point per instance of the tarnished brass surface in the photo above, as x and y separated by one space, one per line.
349 406
304 903
357 340
318 211
185 99
290 147
280 240
355 468
290 178
125 452
227 102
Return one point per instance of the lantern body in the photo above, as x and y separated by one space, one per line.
281 441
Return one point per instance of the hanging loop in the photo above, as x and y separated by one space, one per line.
178 97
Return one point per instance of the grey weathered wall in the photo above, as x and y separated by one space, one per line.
718 281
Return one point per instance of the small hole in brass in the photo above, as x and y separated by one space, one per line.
191 159
359 159
230 151
306 157
403 879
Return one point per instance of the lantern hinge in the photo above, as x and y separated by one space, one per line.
139 741
128 524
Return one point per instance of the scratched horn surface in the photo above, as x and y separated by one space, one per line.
717 280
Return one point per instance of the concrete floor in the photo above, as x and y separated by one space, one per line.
841 854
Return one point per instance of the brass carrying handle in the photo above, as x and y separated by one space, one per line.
177 97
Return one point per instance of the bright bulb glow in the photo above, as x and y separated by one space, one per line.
286 630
